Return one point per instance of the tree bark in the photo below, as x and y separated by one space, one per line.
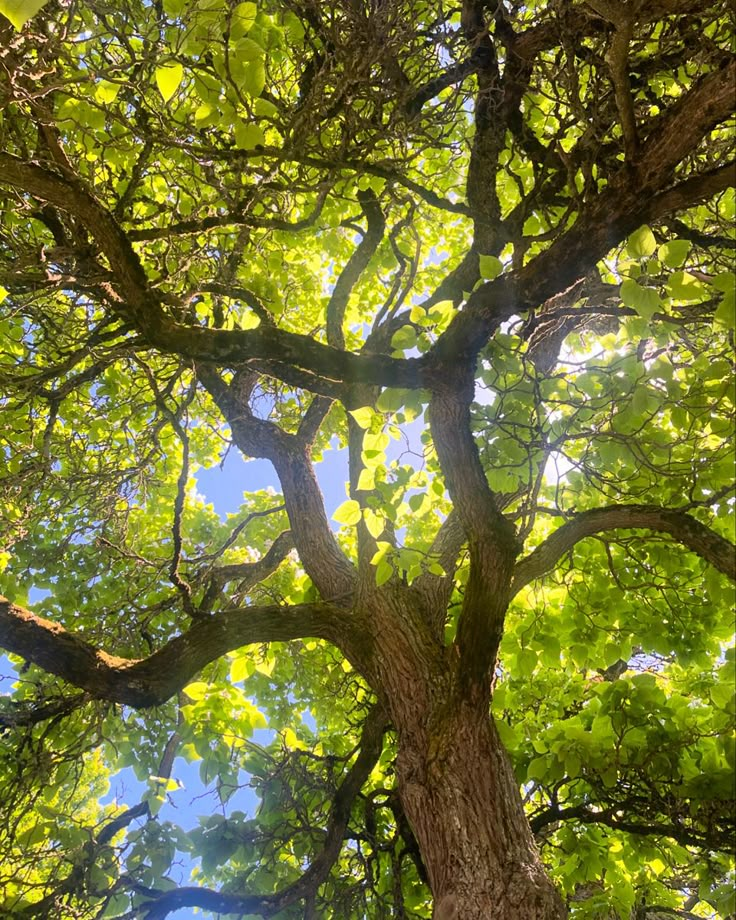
462 800
455 781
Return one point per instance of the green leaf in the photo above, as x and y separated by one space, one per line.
725 315
348 513
384 571
674 253
366 480
254 78
391 400
248 136
242 20
266 665
441 314
374 523
248 50
376 441
107 92
168 79
644 300
404 338
490 267
20 11
526 660
641 243
417 501
383 549
196 690
242 667
363 416
684 286
538 768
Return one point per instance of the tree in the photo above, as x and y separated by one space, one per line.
284 227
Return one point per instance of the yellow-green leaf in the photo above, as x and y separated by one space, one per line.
248 136
490 267
196 690
244 15
674 253
363 416
641 243
348 513
168 79
20 11
242 667
106 92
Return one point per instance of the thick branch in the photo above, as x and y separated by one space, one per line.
436 590
491 538
248 574
138 302
682 527
151 681
692 190
323 560
714 838
617 211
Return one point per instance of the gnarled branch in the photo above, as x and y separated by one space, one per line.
151 681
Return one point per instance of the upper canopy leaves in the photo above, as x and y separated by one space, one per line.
489 254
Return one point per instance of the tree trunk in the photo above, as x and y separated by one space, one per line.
463 802
456 783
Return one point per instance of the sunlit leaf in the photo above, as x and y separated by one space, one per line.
348 513
641 243
168 79
20 11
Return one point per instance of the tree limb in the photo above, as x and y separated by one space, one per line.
623 206
151 681
371 745
323 560
491 538
356 265
684 528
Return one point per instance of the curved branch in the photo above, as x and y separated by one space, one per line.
138 302
714 838
250 573
323 560
619 209
246 574
491 537
684 528
436 590
692 190
20 714
455 74
151 681
371 745
356 265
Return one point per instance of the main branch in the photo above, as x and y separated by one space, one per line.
151 681
682 527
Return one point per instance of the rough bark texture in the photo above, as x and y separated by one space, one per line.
456 783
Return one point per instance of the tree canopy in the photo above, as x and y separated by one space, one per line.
484 249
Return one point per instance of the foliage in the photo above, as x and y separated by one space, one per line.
489 255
